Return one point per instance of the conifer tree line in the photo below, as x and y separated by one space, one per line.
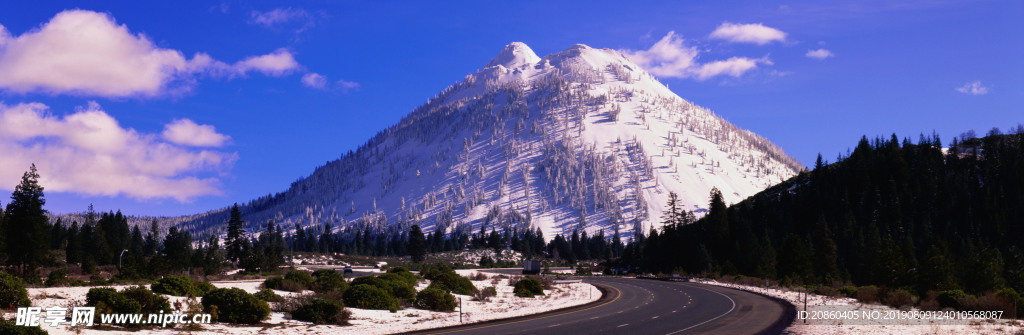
530 242
31 241
892 213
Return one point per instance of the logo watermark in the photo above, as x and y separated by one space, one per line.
852 315
85 316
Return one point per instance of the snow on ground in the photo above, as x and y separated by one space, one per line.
473 256
312 260
504 305
874 325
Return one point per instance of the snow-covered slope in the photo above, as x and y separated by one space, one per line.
580 139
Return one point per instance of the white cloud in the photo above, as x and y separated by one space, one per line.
670 57
348 85
88 152
87 53
4 36
278 16
281 16
314 80
320 82
187 132
734 66
973 88
278 63
819 54
748 33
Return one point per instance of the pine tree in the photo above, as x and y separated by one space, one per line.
672 218
212 258
178 248
417 244
795 262
73 252
26 225
826 255
236 235
152 243
937 270
767 262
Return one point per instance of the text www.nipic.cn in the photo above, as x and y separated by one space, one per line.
84 316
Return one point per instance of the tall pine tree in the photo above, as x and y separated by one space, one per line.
417 245
236 235
26 231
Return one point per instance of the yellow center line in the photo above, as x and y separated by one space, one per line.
617 295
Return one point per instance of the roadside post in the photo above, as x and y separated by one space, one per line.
805 302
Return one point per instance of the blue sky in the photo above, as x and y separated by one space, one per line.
180 107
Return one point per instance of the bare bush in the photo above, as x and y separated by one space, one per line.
867 294
293 302
485 294
930 302
899 299
478 276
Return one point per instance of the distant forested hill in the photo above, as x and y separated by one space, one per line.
892 213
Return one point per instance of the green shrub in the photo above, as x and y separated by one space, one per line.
57 277
486 261
848 291
327 280
12 291
269 295
234 305
434 271
301 277
149 302
399 269
395 285
179 286
399 286
273 283
528 287
369 297
409 277
97 280
203 287
369 280
108 300
453 282
951 299
288 284
435 300
9 328
320 311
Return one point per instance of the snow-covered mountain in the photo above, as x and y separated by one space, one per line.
580 139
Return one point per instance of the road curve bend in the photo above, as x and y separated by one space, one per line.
650 307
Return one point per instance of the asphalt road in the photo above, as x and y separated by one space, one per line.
650 307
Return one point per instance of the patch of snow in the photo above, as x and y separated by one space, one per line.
504 305
872 326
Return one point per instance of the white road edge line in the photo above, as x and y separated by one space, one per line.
712 319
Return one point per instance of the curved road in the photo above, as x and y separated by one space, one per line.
650 307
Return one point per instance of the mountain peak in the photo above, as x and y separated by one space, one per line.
514 55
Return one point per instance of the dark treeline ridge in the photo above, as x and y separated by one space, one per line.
894 214
30 242
531 243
